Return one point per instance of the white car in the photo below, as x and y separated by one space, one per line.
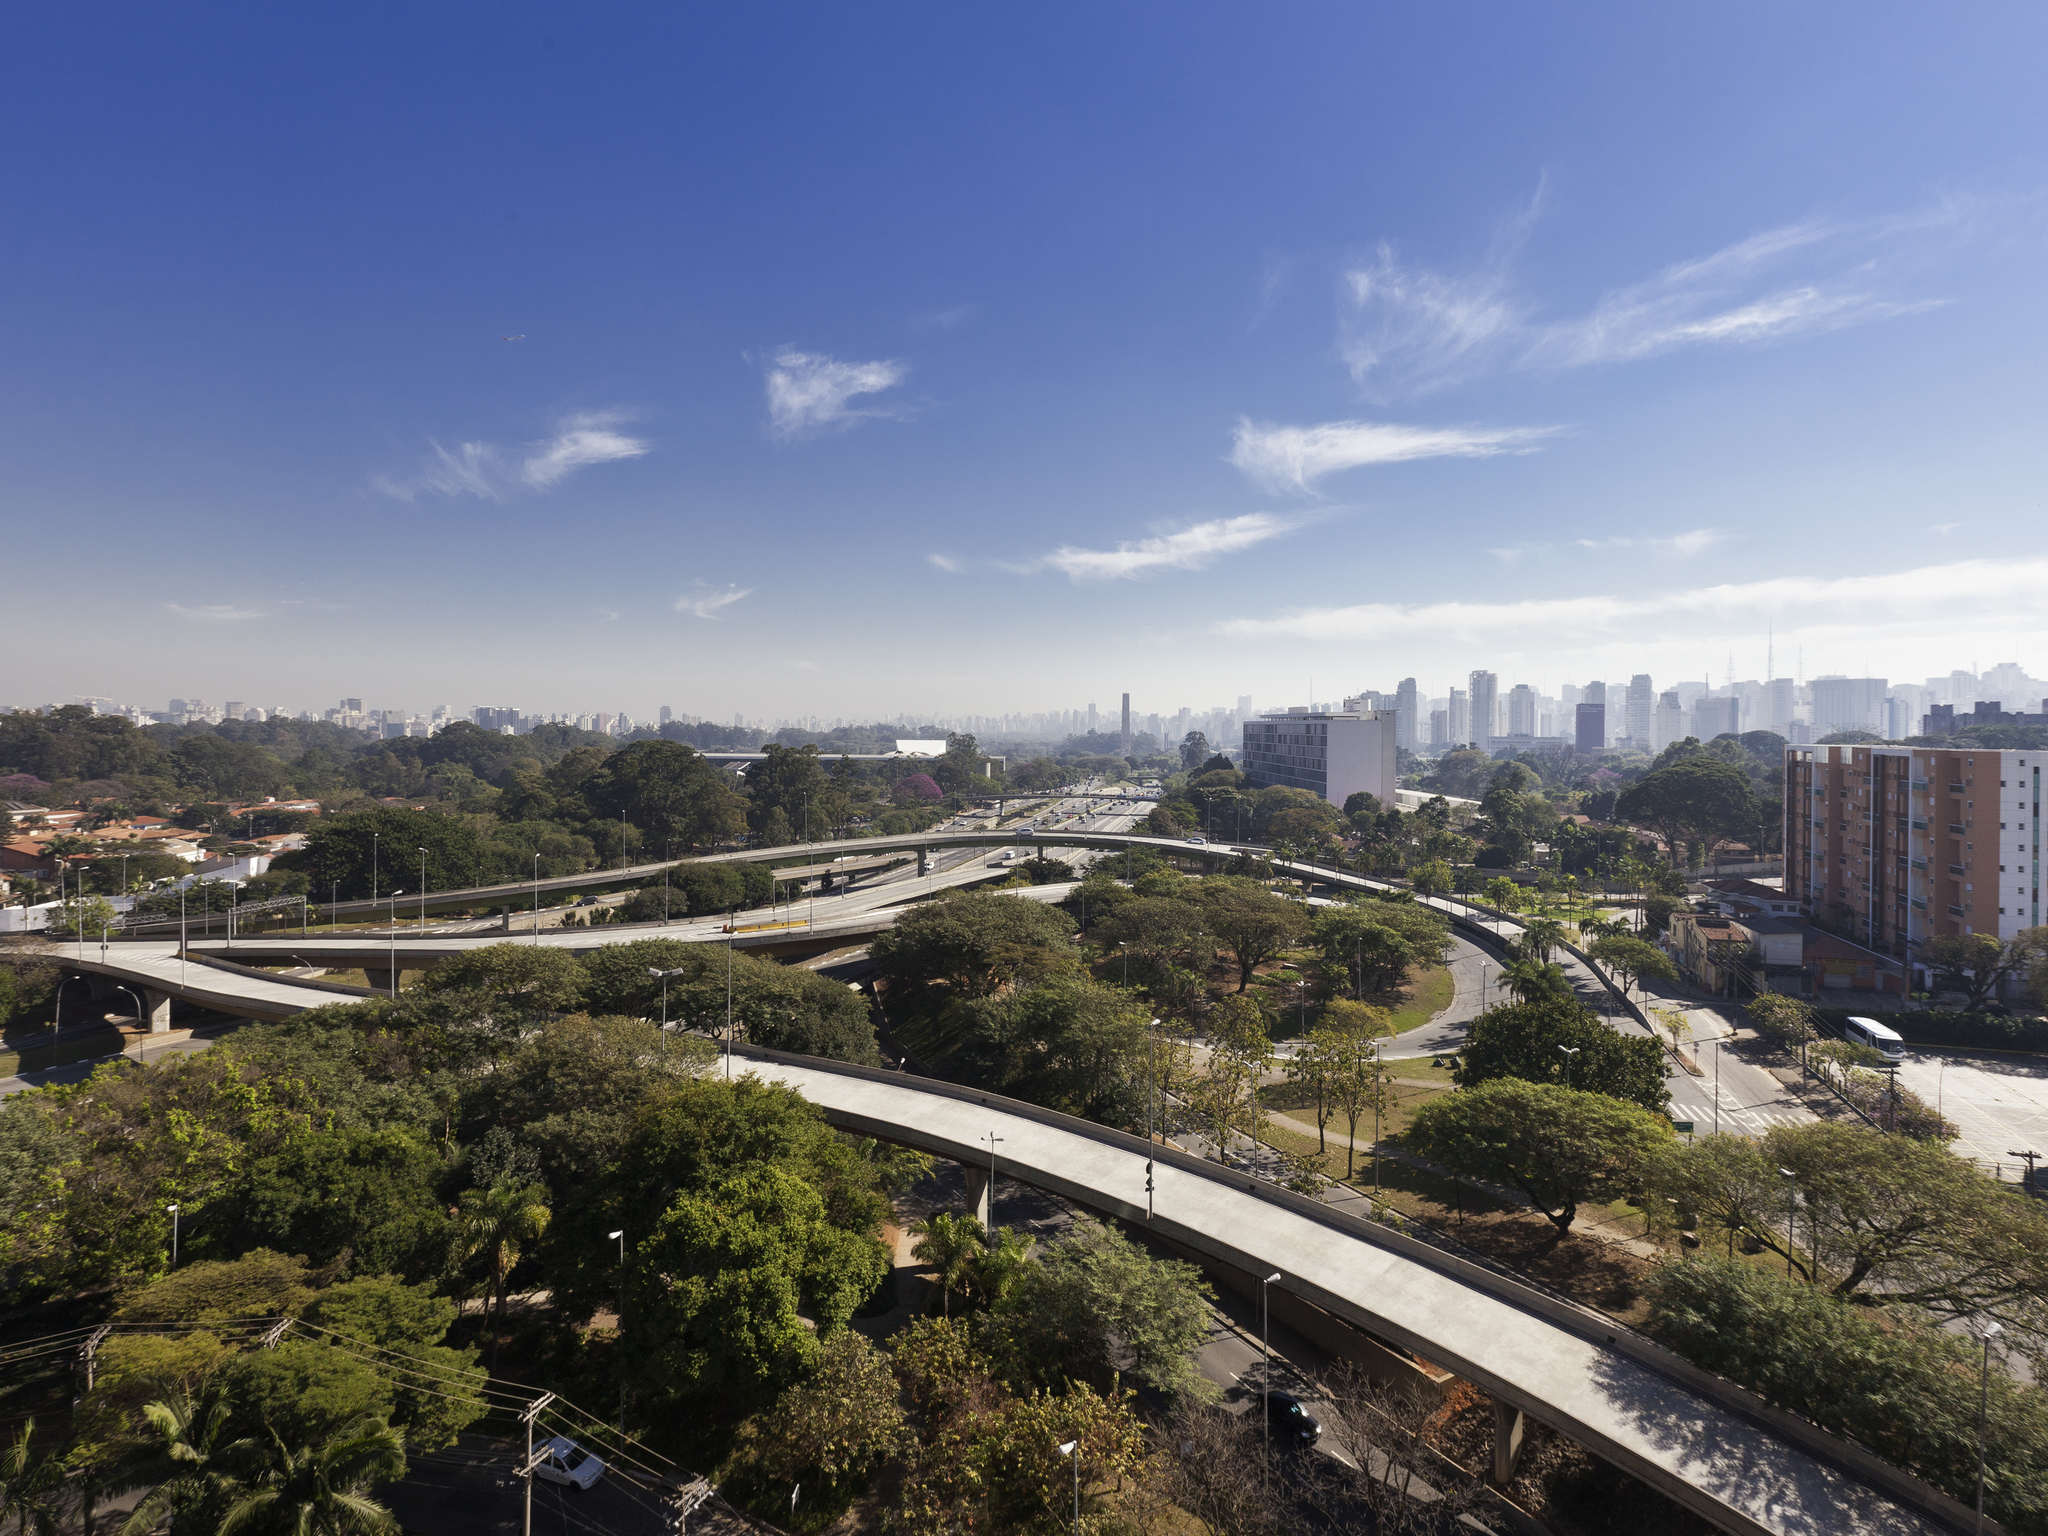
567 1463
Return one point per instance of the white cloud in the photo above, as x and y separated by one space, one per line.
951 318
1296 457
214 613
809 392
1969 591
481 470
1694 541
709 602
1412 329
589 437
1186 549
943 562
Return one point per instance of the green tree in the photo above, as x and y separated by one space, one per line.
1904 1389
1069 1044
1313 1070
322 1489
497 1226
190 1461
1785 1020
667 793
1096 1307
1691 798
1358 1087
1155 934
350 851
32 1485
1502 893
1561 1042
1632 959
1194 751
358 1198
1980 964
782 1007
1560 1147
1431 877
948 1242
1253 924
830 1431
972 943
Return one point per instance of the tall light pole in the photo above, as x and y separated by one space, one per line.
181 935
663 976
391 931
1986 1329
1791 1207
619 1237
732 925
1571 1062
373 866
1072 1451
1379 1092
536 899
173 1209
1266 1362
1151 1088
423 890
993 1138
1717 1088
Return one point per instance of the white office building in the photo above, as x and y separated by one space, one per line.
1332 755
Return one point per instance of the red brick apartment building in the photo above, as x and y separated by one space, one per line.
1893 846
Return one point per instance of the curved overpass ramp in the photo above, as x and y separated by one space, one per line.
1703 1442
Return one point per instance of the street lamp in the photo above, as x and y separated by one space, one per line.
619 1237
1151 1088
1379 1092
536 899
1071 1450
391 932
1266 1361
1716 1043
993 1138
173 1209
373 866
1791 1208
663 976
1984 1329
732 925
1571 1056
423 890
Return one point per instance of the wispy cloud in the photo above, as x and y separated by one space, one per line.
947 563
1410 329
1184 549
214 613
589 437
1976 591
483 471
1296 457
810 392
950 318
704 602
1694 541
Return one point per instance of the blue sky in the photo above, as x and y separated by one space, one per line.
865 359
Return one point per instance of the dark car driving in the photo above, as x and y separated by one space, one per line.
1291 1421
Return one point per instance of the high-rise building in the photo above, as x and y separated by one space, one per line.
1125 738
1781 704
1669 723
1893 846
1439 727
1521 710
1485 709
667 714
1332 755
1847 704
1642 703
1596 693
1716 717
1591 734
1458 714
1406 714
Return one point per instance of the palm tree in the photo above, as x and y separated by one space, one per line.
949 1243
1531 980
31 1486
497 1224
1541 937
322 1489
186 1461
994 1270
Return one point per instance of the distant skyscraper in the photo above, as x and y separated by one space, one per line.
1596 693
1641 704
1521 710
1460 718
1781 704
667 714
1439 727
1126 738
1591 733
1847 704
1406 707
1485 716
1669 723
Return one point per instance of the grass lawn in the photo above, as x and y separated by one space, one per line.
1426 993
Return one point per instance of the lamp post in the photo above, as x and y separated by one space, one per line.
423 890
391 932
1571 1062
1985 1329
1266 1364
373 866
1379 1092
619 1237
1072 1451
1717 1084
993 1138
536 899
732 924
663 976
1151 1088
173 1209
1791 1213
181 935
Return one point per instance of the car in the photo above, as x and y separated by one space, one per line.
1025 834
586 901
564 1461
1291 1421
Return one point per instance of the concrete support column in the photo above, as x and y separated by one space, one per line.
157 1008
505 920
1508 1428
977 1193
380 980
924 861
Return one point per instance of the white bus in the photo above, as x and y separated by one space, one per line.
1881 1038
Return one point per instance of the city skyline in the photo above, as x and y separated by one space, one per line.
1177 345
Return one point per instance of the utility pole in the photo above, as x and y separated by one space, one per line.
526 1416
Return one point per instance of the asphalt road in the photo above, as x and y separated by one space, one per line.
1998 1102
